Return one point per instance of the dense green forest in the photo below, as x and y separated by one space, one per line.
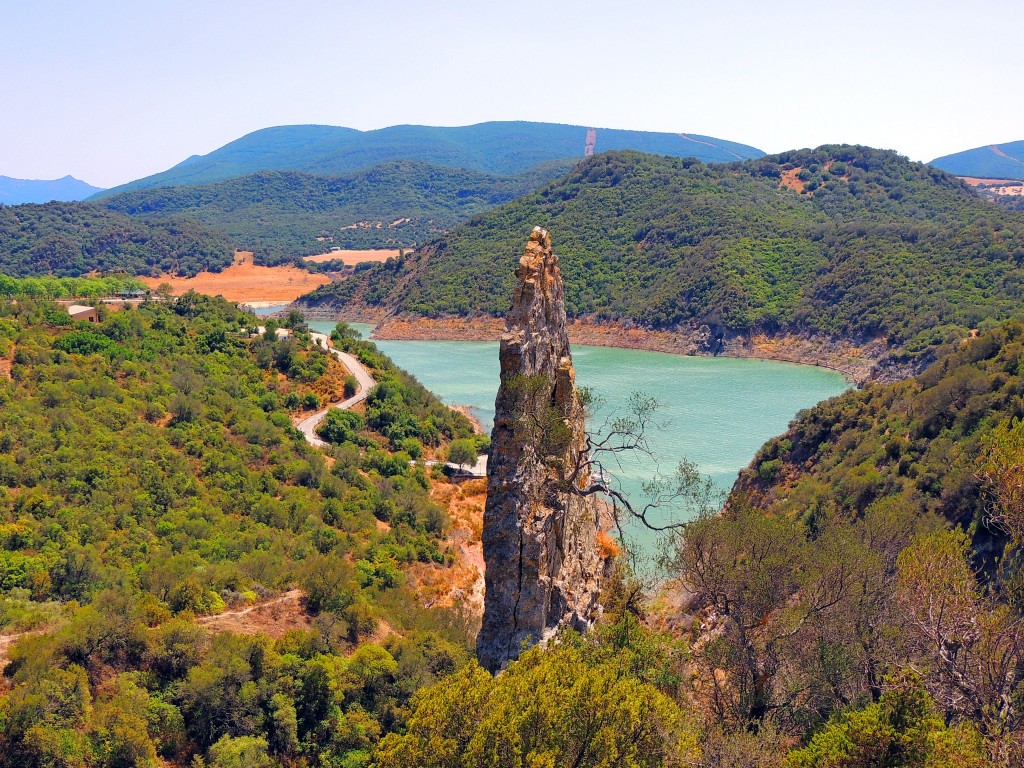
872 245
282 214
74 239
504 148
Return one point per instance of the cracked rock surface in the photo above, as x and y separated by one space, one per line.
543 566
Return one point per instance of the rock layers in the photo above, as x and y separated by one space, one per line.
543 566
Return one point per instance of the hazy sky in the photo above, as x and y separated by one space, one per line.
112 90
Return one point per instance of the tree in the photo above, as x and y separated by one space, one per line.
1002 470
551 707
967 649
902 729
462 452
240 752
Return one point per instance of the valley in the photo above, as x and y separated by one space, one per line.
753 497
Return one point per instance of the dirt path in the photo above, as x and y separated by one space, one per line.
6 641
709 144
995 148
273 618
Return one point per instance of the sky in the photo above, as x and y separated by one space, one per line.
111 90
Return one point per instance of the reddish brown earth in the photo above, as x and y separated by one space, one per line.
462 583
273 618
354 257
791 180
6 641
1010 187
244 281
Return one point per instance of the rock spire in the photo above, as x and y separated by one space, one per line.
543 567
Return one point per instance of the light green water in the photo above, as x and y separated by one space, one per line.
716 412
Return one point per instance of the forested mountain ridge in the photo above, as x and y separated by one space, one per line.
281 214
995 161
841 241
68 188
73 239
503 148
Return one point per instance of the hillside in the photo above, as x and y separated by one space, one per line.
184 580
493 148
150 475
995 161
73 239
921 443
18 191
281 214
845 242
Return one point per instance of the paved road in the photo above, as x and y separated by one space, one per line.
363 378
365 382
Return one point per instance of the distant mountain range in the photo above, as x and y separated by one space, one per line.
68 189
996 161
283 214
501 148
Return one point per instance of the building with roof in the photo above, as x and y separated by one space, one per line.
83 314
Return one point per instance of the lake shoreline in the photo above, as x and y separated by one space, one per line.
857 363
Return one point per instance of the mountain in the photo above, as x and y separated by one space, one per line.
996 161
17 191
494 148
72 239
841 241
281 214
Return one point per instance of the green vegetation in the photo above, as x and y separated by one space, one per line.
150 474
922 443
66 287
883 247
858 602
872 576
504 148
74 239
281 214
165 431
578 704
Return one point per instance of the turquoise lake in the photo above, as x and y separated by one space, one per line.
715 412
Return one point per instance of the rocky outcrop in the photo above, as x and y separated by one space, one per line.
543 566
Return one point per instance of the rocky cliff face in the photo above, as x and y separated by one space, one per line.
543 567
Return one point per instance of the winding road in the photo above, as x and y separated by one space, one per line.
363 378
365 382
